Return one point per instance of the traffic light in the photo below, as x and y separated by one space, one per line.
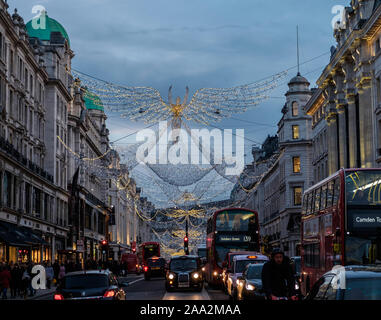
104 243
186 248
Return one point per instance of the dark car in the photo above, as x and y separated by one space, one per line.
184 272
249 285
155 268
348 283
95 284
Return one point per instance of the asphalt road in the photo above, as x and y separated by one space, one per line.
154 289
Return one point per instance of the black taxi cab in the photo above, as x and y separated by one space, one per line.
185 273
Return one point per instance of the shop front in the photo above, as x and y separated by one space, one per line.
22 245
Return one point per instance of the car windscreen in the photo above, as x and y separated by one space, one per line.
363 289
85 281
241 264
254 272
183 264
156 262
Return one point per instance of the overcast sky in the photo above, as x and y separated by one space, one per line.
199 43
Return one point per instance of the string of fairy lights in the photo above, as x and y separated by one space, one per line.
184 190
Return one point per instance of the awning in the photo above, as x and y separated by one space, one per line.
18 236
9 235
33 237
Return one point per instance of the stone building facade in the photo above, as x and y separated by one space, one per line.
34 204
44 121
295 169
282 175
350 88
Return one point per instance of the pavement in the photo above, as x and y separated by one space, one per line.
38 296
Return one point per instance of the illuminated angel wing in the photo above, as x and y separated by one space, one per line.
135 103
210 105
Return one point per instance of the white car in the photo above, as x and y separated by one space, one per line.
239 264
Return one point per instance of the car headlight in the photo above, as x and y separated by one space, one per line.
171 276
203 269
196 275
296 286
250 287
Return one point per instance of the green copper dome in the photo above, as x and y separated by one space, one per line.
44 34
92 101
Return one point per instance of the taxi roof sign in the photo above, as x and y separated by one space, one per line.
252 257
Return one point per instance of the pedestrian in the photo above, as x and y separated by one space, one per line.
62 272
56 268
5 278
277 277
15 271
25 281
49 274
32 291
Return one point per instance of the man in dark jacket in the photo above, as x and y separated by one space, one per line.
277 277
56 268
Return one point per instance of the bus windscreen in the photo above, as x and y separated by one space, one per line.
363 188
151 250
236 220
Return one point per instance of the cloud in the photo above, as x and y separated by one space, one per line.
200 43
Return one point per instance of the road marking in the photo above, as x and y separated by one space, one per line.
203 295
132 282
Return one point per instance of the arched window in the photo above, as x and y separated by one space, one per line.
295 109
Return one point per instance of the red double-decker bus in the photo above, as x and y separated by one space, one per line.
341 223
147 250
232 229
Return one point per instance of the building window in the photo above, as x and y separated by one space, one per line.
297 196
295 109
296 164
295 132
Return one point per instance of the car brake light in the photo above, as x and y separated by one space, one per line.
109 294
145 269
58 297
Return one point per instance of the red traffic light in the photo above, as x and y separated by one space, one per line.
186 239
104 242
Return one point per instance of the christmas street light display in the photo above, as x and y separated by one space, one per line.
145 104
207 104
